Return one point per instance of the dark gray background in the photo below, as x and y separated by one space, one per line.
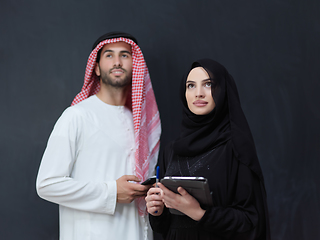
270 47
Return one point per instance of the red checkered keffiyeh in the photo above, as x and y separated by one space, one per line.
141 100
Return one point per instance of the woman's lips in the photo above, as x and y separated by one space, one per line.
200 103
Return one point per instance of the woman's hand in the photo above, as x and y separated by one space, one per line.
183 202
154 201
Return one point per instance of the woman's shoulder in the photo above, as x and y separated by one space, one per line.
167 149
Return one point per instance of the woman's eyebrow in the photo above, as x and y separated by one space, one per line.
207 79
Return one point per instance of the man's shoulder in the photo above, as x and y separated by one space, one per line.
79 110
86 103
83 107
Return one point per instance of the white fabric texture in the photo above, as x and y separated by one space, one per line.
91 145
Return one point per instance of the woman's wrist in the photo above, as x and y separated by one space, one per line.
198 214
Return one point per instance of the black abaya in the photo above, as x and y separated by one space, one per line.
218 146
238 211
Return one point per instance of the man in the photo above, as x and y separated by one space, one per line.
103 146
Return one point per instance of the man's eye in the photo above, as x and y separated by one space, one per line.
124 56
108 55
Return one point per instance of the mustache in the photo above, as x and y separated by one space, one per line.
117 68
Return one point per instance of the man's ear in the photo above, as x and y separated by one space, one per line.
97 69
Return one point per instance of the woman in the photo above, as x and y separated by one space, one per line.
215 143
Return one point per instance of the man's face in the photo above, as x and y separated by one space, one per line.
115 65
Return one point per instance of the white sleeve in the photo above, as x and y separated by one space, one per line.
54 182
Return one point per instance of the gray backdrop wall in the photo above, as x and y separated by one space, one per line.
270 47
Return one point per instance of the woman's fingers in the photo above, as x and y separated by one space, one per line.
153 190
182 191
154 201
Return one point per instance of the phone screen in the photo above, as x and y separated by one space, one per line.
149 181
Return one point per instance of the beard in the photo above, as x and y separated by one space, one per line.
116 82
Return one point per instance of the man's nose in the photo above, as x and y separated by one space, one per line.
117 61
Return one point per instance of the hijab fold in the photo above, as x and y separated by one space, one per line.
201 133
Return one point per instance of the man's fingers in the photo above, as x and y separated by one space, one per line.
127 191
139 188
139 194
131 178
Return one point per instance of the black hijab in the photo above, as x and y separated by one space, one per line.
226 121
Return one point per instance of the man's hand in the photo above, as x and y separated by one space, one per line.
127 191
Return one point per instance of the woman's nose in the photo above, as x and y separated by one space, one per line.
199 93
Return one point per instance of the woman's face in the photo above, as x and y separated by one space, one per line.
198 92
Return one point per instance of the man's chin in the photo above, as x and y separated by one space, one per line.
117 83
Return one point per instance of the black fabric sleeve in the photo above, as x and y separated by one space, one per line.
240 216
161 224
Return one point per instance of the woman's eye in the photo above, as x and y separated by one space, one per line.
190 85
208 84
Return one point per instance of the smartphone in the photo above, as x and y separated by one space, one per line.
149 181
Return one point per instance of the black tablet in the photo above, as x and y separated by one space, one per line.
198 187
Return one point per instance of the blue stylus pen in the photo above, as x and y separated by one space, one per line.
157 176
157 180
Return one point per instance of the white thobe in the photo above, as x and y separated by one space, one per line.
91 145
